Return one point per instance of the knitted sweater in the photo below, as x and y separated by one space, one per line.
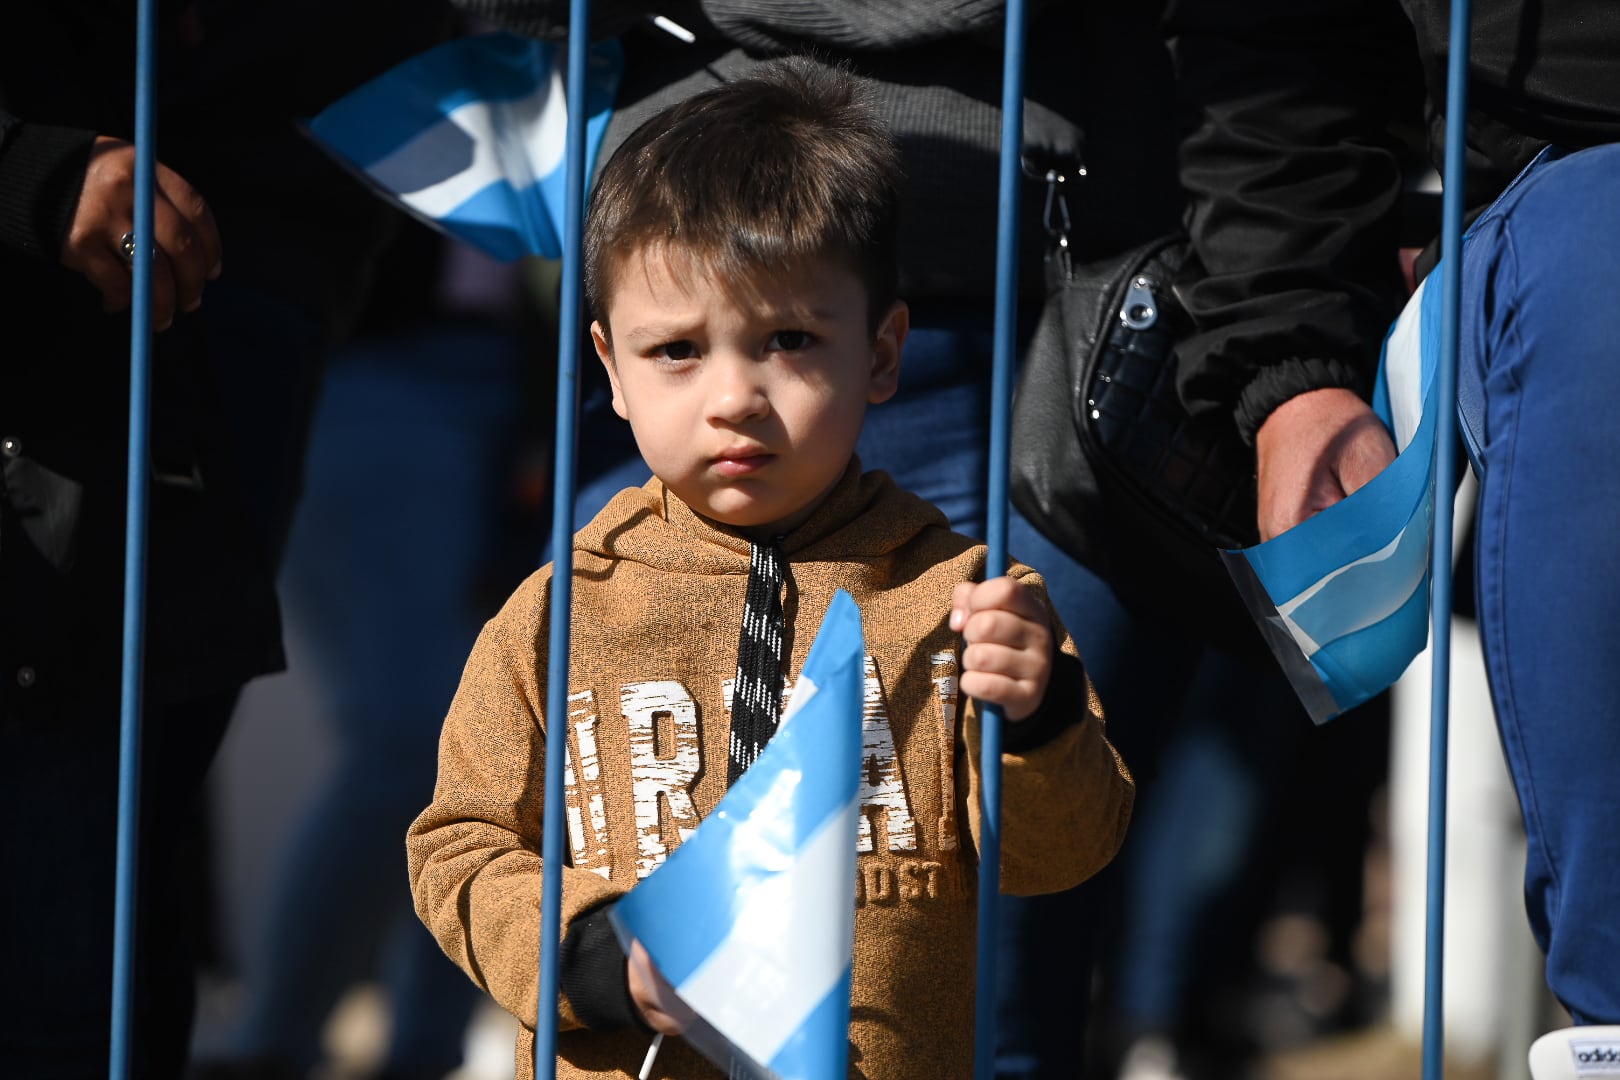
658 599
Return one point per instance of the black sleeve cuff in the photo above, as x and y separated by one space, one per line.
591 973
1276 383
41 175
1066 700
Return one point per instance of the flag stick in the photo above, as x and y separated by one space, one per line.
140 370
1001 384
1445 469
652 1056
672 28
562 530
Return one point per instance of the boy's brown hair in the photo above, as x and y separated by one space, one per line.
787 164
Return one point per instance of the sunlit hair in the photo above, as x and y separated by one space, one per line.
756 177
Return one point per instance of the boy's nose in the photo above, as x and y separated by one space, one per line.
738 392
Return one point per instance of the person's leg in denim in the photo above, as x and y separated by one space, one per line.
381 584
1541 338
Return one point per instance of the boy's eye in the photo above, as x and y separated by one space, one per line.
790 340
675 350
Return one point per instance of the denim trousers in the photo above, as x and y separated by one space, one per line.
1538 372
381 587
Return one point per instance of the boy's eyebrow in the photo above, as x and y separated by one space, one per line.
652 332
649 329
673 328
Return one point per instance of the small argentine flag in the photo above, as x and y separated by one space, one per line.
752 919
1343 597
471 136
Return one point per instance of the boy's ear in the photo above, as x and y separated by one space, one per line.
886 347
604 353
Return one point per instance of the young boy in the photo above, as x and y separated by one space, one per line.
740 262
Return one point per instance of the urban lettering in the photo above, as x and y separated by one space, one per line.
662 785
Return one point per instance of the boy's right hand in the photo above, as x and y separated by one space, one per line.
663 1011
1008 656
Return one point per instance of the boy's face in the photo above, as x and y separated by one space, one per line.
746 402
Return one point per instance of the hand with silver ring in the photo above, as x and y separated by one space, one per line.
101 246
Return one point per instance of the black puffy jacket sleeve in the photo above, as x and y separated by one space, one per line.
41 171
1293 183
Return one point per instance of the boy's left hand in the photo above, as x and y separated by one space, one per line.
1008 658
660 1007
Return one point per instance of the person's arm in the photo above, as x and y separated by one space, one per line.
474 853
68 196
1066 795
41 170
1292 186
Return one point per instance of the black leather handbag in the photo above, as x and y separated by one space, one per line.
1107 462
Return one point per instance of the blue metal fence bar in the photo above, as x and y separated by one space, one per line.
569 339
1445 469
1001 387
125 901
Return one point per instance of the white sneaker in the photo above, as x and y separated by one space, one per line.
1577 1052
1152 1057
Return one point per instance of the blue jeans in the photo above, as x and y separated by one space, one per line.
382 582
1540 353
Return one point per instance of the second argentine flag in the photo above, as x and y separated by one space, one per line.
1343 597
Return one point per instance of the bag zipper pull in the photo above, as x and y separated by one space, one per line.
1141 308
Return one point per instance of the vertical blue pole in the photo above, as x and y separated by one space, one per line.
1445 469
562 533
140 367
1001 387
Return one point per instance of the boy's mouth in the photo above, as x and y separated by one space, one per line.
741 462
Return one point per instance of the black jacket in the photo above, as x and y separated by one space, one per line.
1300 111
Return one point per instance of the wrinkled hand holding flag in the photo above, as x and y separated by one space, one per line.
471 137
1342 598
752 918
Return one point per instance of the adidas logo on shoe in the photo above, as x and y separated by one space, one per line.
1577 1053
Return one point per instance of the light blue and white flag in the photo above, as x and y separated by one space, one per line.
752 918
1342 598
470 137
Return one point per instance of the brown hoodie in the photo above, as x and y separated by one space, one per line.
658 600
